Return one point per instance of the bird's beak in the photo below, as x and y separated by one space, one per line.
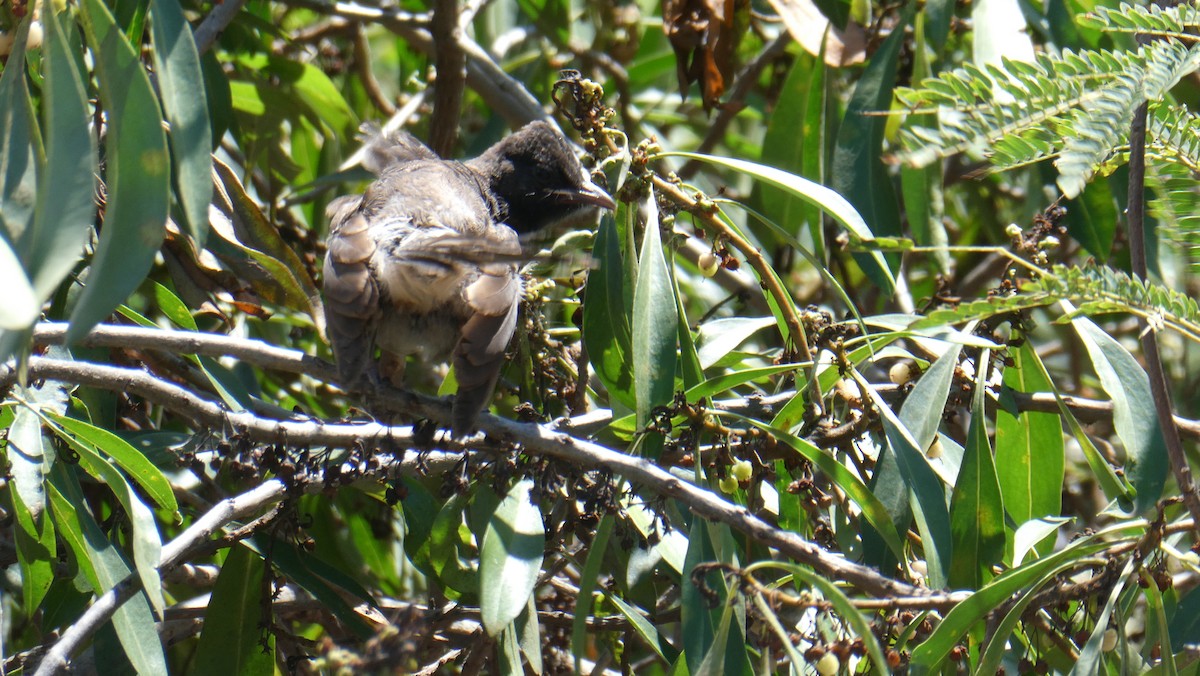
588 194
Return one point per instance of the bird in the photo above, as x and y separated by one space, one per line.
425 261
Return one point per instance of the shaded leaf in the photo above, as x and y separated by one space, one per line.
510 558
234 635
137 175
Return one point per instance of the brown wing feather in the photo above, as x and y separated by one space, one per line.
352 295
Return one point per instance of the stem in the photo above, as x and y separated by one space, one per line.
1154 367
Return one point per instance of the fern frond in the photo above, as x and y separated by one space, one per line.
1075 106
1095 290
1172 22
1175 194
1173 135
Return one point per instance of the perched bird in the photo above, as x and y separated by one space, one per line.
425 261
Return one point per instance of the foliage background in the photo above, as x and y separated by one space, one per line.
914 422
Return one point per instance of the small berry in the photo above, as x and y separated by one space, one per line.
1109 642
709 264
741 470
1013 230
828 665
728 484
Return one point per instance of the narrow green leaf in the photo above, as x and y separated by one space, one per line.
37 552
248 242
1091 657
181 82
173 308
20 144
966 615
694 614
138 174
510 558
529 636
719 337
976 509
607 321
324 582
858 170
1134 415
654 323
150 478
235 628
587 586
65 204
801 101
104 567
923 407
927 498
1029 448
999 642
1114 488
147 543
641 625
725 383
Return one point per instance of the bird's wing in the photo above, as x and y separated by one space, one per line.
352 294
383 149
493 298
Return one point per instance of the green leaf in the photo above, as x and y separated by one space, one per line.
248 242
105 566
641 625
529 636
587 585
37 552
1029 448
1092 219
510 558
654 323
923 407
927 498
834 204
858 171
966 615
140 469
138 174
235 628
181 82
19 142
976 509
65 203
607 320
802 100
719 337
147 543
327 584
173 308
1134 415
695 617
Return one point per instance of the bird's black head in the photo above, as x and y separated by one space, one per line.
536 174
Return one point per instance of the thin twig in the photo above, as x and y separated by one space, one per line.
1154 368
366 74
451 65
216 21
